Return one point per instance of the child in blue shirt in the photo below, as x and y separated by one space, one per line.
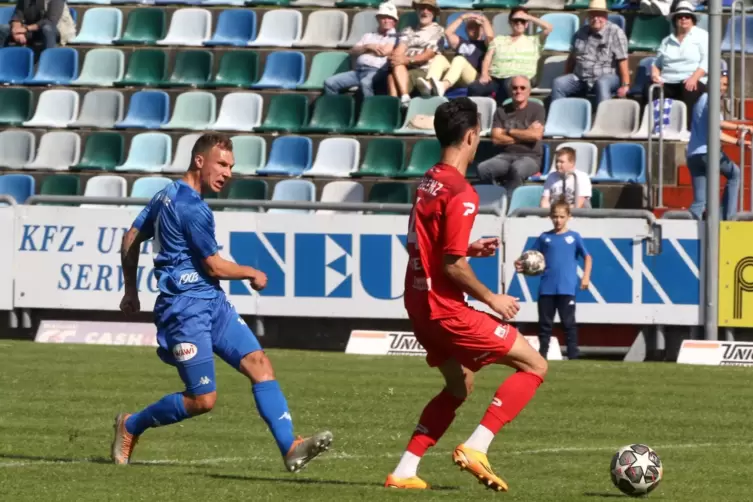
561 248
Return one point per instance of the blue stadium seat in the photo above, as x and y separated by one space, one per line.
234 27
147 110
148 187
568 117
293 190
16 65
622 162
525 196
101 25
282 70
446 4
727 44
564 27
5 14
642 75
18 186
617 19
289 156
58 66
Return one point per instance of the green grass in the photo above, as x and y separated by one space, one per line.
57 403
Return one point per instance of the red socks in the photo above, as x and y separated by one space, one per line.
434 422
510 399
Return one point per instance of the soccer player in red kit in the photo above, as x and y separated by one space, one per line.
458 339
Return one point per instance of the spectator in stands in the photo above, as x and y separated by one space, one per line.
567 183
418 45
511 55
598 62
39 21
518 128
682 59
371 54
465 66
698 157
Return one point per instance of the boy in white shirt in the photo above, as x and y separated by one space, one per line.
565 181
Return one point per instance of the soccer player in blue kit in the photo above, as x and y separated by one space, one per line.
194 319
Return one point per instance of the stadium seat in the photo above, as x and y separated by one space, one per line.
182 159
379 115
282 70
496 4
501 24
144 26
615 118
564 26
487 107
492 197
324 28
485 151
57 66
150 152
18 186
191 27
60 184
336 157
17 148
279 28
727 44
341 191
384 157
105 186
57 150
147 110
312 3
553 67
525 196
642 76
55 108
102 68
597 199
236 27
250 154
16 65
293 190
586 158
148 187
648 32
332 114
285 113
622 162
248 189
323 66
237 69
102 152
568 117
231 3
390 192
289 156
363 22
100 109
676 130
240 111
146 67
15 106
425 154
192 68
6 13
100 26
703 21
461 31
420 106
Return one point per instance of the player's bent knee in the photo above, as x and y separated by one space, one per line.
539 366
203 403
257 367
461 389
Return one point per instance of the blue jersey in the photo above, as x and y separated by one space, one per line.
182 225
561 253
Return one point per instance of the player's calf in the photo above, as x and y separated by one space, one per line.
198 405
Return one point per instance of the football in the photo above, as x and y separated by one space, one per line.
533 262
636 470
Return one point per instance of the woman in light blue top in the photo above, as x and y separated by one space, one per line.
682 59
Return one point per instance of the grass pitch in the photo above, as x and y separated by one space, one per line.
58 403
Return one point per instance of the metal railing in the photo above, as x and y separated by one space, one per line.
7 199
650 150
738 113
677 214
743 216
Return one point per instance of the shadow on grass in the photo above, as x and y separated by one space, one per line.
60 460
603 494
308 481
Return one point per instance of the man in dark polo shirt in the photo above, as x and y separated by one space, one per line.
518 128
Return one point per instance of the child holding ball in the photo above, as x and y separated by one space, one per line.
561 248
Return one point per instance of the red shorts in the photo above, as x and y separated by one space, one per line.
473 338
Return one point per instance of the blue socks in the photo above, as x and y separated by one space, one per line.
273 408
166 411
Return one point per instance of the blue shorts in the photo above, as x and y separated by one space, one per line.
191 330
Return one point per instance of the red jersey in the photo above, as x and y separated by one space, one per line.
440 223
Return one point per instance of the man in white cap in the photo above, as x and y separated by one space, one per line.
371 53
598 62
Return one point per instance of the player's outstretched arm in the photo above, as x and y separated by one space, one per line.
219 268
130 249
459 270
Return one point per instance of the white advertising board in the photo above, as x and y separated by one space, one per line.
7 254
712 353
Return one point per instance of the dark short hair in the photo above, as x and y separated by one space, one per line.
208 141
453 119
514 11
566 151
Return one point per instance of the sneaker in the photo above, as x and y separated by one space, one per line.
405 101
477 464
424 87
412 483
124 442
306 449
438 86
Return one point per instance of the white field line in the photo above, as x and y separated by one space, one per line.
335 455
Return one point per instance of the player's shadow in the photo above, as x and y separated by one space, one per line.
60 460
603 494
306 481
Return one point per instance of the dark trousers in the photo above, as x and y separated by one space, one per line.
497 86
47 35
565 305
678 92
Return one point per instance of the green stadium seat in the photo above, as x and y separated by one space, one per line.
597 199
250 153
391 192
145 26
577 4
146 67
15 106
425 154
496 4
103 151
60 184
237 69
384 157
323 66
248 189
332 114
285 113
365 4
379 115
278 3
192 69
648 32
